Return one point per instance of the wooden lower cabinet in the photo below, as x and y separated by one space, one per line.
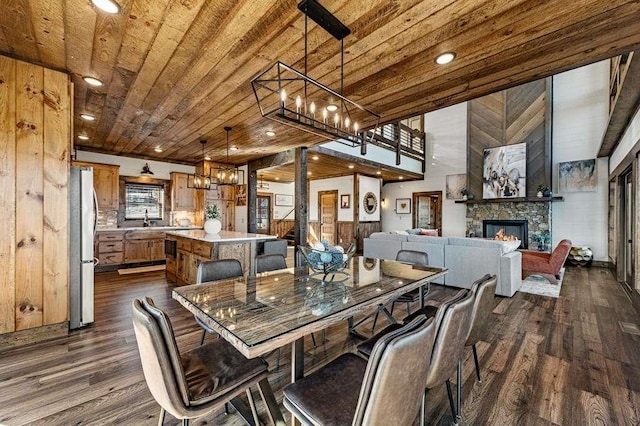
188 257
123 247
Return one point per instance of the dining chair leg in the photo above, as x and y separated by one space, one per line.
423 407
313 340
459 389
475 360
375 320
204 334
273 410
408 309
252 404
161 416
393 305
226 408
451 403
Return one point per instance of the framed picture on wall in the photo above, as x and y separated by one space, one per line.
403 205
284 200
345 201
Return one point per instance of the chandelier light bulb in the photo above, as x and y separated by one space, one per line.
283 96
312 108
336 120
347 122
355 127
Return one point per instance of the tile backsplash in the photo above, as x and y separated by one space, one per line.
107 218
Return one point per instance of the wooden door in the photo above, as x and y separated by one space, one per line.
105 183
136 251
156 249
263 214
328 215
427 211
182 198
183 265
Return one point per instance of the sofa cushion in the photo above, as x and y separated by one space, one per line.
427 239
503 246
387 236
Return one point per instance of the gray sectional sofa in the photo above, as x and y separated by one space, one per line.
466 258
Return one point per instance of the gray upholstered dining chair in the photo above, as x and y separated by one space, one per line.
199 381
415 258
270 262
215 270
380 391
277 246
482 307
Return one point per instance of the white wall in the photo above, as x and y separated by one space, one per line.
368 184
446 131
580 115
343 184
133 166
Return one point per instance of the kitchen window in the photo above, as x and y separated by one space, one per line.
141 199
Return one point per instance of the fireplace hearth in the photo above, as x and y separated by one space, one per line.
517 228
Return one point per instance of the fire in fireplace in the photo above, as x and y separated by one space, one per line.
517 229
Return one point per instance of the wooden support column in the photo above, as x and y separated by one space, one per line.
252 199
301 199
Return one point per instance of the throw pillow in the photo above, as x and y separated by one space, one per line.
429 232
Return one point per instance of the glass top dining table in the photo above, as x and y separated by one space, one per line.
260 313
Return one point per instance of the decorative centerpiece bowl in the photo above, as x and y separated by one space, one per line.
324 259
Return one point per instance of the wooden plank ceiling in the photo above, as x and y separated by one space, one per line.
177 71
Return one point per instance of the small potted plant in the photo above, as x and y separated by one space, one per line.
543 191
212 225
465 193
543 239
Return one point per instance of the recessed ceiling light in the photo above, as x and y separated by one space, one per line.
378 172
271 133
445 58
83 137
308 173
92 81
207 158
157 149
315 157
87 117
109 6
233 148
351 166
277 178
400 177
332 107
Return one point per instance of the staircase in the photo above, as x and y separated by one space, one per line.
290 237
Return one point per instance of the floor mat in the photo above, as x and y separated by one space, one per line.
537 284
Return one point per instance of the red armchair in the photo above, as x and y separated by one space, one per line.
546 264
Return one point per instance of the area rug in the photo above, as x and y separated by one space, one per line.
537 284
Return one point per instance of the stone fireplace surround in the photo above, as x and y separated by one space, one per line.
537 215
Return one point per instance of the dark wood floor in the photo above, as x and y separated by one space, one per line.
562 361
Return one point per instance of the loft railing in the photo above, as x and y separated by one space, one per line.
402 139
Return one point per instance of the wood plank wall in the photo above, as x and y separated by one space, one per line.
35 129
281 227
513 116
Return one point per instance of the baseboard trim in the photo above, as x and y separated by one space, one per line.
33 335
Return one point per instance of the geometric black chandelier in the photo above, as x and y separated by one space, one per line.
293 98
199 181
227 174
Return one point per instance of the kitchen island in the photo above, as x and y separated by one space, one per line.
195 246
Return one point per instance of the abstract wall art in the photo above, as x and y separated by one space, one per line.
577 176
504 173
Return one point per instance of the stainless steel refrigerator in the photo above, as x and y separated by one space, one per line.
82 224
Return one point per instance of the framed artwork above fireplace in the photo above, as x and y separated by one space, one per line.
504 172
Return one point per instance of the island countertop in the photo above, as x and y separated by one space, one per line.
221 237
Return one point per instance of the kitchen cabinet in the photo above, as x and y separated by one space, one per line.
109 248
105 183
182 198
143 246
